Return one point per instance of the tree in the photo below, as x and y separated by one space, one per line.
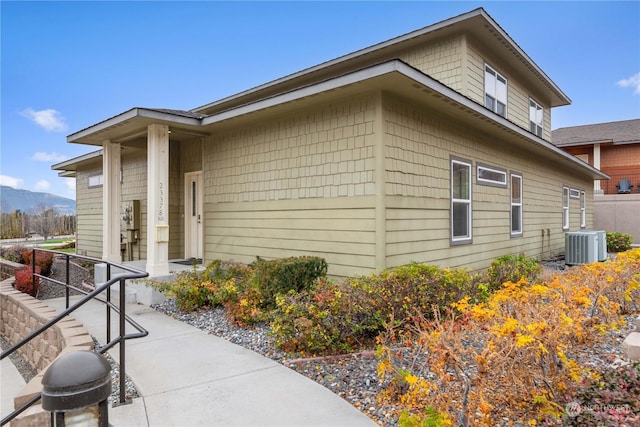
44 220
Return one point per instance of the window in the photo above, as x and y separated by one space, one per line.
460 201
536 116
488 175
495 91
565 208
583 209
96 181
516 204
574 194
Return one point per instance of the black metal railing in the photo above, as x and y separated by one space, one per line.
628 183
121 338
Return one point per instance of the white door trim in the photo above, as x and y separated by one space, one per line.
193 215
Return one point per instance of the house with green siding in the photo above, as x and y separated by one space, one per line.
433 146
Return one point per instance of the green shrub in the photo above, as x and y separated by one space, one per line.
26 282
610 400
44 260
511 268
279 276
14 253
331 318
339 317
618 242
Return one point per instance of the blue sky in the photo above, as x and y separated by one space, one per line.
68 65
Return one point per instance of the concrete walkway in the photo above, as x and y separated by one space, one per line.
187 377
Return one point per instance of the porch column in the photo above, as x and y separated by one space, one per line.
596 164
158 200
111 200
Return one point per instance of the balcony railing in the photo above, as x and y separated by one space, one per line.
616 185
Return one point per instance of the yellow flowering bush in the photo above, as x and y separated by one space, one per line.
519 355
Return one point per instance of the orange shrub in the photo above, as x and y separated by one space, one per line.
25 282
517 356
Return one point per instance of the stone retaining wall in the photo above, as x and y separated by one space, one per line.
21 314
8 268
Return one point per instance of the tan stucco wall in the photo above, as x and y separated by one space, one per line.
619 213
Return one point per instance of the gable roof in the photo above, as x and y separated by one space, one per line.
622 132
477 23
393 76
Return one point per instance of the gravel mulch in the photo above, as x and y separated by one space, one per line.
352 376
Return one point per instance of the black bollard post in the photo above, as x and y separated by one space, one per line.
76 388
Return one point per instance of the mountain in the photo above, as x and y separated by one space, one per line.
27 201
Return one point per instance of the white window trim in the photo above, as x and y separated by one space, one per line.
468 238
493 92
491 182
574 193
539 125
95 181
583 209
516 233
565 208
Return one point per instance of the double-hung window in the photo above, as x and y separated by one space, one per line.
495 91
536 116
565 208
516 204
460 201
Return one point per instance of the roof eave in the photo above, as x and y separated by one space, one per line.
132 114
414 74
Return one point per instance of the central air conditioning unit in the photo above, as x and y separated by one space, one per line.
585 247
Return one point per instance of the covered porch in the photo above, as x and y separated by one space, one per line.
148 179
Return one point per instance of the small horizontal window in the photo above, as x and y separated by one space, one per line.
96 181
574 194
492 176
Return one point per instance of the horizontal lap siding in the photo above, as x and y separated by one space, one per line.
420 143
89 213
341 233
297 185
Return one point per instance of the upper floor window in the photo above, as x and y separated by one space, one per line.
460 201
536 116
495 91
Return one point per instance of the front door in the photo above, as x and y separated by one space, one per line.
193 215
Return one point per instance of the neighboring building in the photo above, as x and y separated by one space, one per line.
430 147
614 148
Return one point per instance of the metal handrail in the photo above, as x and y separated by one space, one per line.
133 273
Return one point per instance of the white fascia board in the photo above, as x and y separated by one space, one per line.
412 73
481 110
325 86
64 166
131 114
351 56
522 53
